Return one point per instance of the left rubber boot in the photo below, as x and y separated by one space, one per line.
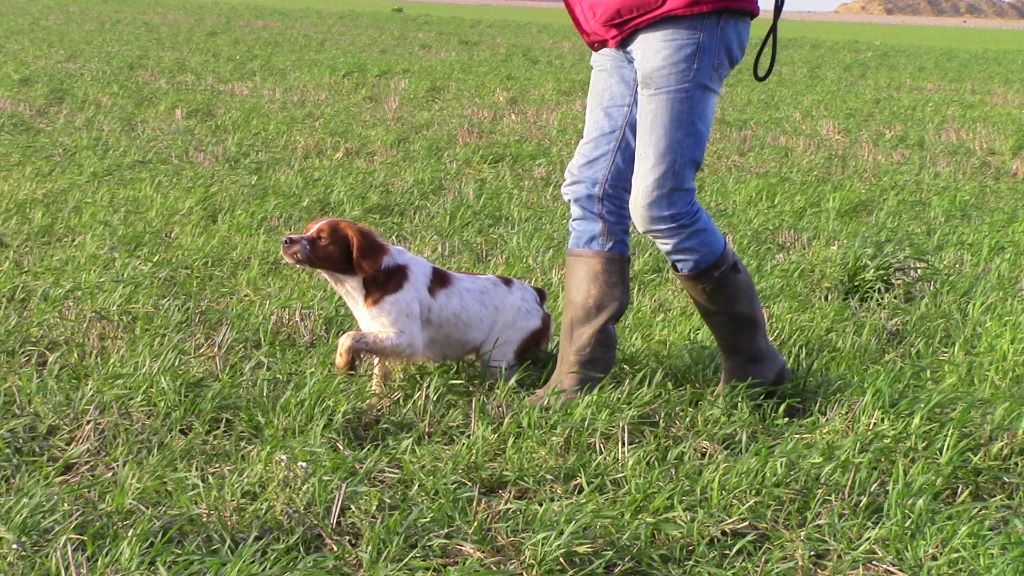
595 298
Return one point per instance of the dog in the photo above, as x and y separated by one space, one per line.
409 309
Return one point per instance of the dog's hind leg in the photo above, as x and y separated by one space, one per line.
498 372
500 361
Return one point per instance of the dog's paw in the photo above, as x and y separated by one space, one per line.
376 403
346 359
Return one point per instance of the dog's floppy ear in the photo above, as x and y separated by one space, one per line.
368 250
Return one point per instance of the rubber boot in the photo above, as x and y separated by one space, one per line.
596 297
726 299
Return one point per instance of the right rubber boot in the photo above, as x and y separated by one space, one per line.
727 300
596 297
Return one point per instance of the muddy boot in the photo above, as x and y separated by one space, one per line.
596 296
727 300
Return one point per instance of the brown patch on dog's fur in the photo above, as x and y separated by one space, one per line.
439 280
536 341
380 285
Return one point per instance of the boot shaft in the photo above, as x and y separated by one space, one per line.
726 299
595 298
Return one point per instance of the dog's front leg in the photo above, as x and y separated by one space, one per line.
381 374
385 347
394 344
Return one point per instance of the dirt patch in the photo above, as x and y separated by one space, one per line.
1012 10
904 20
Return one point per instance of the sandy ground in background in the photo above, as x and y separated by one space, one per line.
911 20
813 16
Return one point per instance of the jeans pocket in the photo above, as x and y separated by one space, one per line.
733 35
607 12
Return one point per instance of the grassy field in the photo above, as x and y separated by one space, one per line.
168 403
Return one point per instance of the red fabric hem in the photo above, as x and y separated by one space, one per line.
598 36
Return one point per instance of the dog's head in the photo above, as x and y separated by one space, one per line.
335 245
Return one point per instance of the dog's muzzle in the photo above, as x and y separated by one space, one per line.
292 249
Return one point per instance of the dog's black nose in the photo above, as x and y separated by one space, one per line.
288 241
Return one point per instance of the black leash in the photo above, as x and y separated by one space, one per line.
773 35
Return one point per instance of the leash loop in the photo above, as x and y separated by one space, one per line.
773 35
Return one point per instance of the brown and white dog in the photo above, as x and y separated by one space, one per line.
409 309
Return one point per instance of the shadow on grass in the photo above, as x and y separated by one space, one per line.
697 367
423 394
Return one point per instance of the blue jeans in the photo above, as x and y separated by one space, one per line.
649 113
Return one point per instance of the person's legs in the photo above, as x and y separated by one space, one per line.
649 115
596 186
681 64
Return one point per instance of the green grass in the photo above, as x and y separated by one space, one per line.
167 399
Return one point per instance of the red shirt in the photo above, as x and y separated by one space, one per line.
606 23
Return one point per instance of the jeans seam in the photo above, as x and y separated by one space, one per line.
717 65
603 186
700 46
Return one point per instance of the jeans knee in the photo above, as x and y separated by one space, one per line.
575 190
656 220
643 220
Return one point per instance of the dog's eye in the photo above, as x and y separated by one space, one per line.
322 238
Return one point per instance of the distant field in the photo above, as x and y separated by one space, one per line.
925 31
168 403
